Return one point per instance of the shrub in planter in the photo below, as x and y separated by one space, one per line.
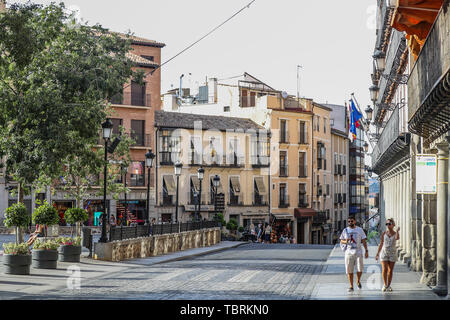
241 229
69 249
45 254
76 216
45 215
232 226
16 258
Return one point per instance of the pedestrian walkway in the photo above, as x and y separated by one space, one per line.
332 283
46 282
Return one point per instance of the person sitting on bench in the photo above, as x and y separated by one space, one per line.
39 233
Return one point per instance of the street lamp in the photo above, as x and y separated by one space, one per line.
366 147
178 167
149 157
369 113
216 182
125 216
380 60
374 90
107 131
200 173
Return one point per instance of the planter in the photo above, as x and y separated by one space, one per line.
17 264
69 253
45 259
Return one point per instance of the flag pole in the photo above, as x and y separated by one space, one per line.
363 124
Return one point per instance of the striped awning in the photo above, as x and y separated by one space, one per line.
169 184
260 186
235 185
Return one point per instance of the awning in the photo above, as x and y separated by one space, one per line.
195 183
235 185
260 186
282 216
169 182
416 17
304 212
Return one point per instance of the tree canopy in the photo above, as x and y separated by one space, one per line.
55 78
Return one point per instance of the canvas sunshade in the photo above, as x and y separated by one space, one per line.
235 185
260 186
170 185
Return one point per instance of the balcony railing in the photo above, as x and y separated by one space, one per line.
193 198
166 200
284 171
303 171
388 136
235 201
168 158
142 140
284 137
128 99
260 161
259 200
284 201
428 84
303 200
320 218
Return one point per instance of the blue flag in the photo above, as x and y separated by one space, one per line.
355 115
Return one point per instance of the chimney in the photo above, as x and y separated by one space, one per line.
2 5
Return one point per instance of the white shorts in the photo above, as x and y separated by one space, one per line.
351 260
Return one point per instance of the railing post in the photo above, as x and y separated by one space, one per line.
121 232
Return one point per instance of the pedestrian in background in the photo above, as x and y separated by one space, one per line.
388 251
351 239
260 232
267 232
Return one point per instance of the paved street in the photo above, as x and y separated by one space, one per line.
251 271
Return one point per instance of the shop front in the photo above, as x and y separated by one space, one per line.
61 207
94 209
135 211
304 217
282 227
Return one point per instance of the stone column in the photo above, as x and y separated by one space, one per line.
408 216
429 240
442 193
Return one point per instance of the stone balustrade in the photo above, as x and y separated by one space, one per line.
155 245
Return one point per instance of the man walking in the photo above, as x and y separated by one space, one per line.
351 238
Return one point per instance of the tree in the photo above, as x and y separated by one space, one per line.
55 78
17 216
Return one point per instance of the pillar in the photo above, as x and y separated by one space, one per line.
408 216
442 193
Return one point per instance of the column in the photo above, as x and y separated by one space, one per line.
408 216
401 221
442 193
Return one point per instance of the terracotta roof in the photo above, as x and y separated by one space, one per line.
141 61
186 121
142 41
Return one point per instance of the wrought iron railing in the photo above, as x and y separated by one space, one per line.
388 136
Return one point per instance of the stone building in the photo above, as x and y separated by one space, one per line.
234 149
289 120
340 161
412 83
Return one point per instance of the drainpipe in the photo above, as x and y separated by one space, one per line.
312 166
156 170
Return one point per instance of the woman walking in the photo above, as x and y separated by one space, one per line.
388 251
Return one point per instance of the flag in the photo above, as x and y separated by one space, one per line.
355 116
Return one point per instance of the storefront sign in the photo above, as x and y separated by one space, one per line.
426 174
203 207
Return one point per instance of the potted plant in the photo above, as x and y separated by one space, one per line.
45 215
232 227
45 254
16 256
69 249
219 218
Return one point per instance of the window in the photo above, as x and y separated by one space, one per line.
283 164
303 133
226 109
325 125
170 148
138 131
151 58
116 125
137 94
303 165
302 195
318 123
283 131
137 174
284 202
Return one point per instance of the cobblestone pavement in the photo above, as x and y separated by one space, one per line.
251 271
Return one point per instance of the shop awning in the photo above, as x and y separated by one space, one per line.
282 216
416 17
169 182
304 212
260 186
235 185
195 183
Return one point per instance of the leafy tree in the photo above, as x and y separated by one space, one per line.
55 79
76 216
17 216
232 225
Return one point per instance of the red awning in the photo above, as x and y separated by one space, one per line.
304 212
416 17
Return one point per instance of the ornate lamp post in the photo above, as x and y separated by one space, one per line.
374 91
216 182
366 147
125 216
201 173
369 112
178 167
149 158
380 60
107 127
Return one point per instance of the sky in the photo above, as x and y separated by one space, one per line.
332 40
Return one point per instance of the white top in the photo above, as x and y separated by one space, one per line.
355 236
389 243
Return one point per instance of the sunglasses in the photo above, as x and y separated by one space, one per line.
388 224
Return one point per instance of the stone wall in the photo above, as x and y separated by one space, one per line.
61 230
155 245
